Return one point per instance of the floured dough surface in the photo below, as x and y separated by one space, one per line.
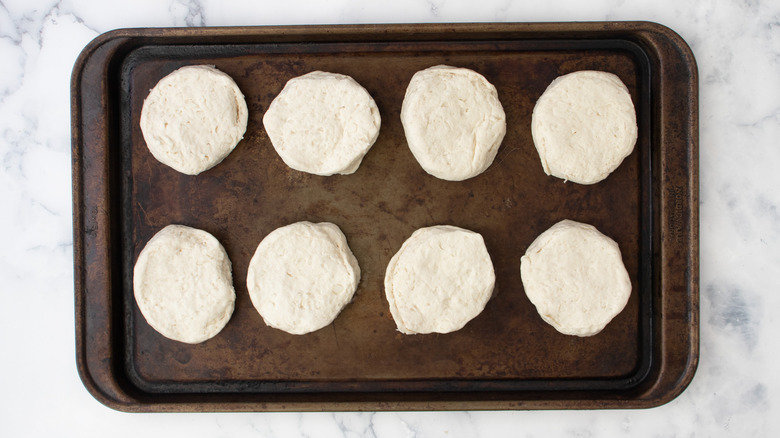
440 279
193 118
575 277
301 276
453 121
322 123
583 126
183 284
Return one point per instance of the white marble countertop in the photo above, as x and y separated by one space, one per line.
734 392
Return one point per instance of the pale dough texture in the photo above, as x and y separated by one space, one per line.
440 279
193 118
183 284
583 126
322 123
453 122
575 277
301 276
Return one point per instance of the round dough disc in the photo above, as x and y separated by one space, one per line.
322 123
575 277
183 284
193 118
583 126
440 279
301 276
453 121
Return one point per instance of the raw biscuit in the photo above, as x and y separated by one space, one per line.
440 279
193 118
575 277
183 284
583 126
301 276
322 123
453 122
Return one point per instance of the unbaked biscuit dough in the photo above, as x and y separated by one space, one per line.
183 284
301 276
583 126
453 122
193 118
322 123
440 279
575 277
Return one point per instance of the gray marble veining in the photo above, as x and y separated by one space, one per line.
735 391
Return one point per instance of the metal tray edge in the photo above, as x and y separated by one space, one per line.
117 398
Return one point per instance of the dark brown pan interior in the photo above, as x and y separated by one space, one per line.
253 192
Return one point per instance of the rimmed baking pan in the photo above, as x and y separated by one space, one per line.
507 357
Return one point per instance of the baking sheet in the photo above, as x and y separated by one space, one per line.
507 357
